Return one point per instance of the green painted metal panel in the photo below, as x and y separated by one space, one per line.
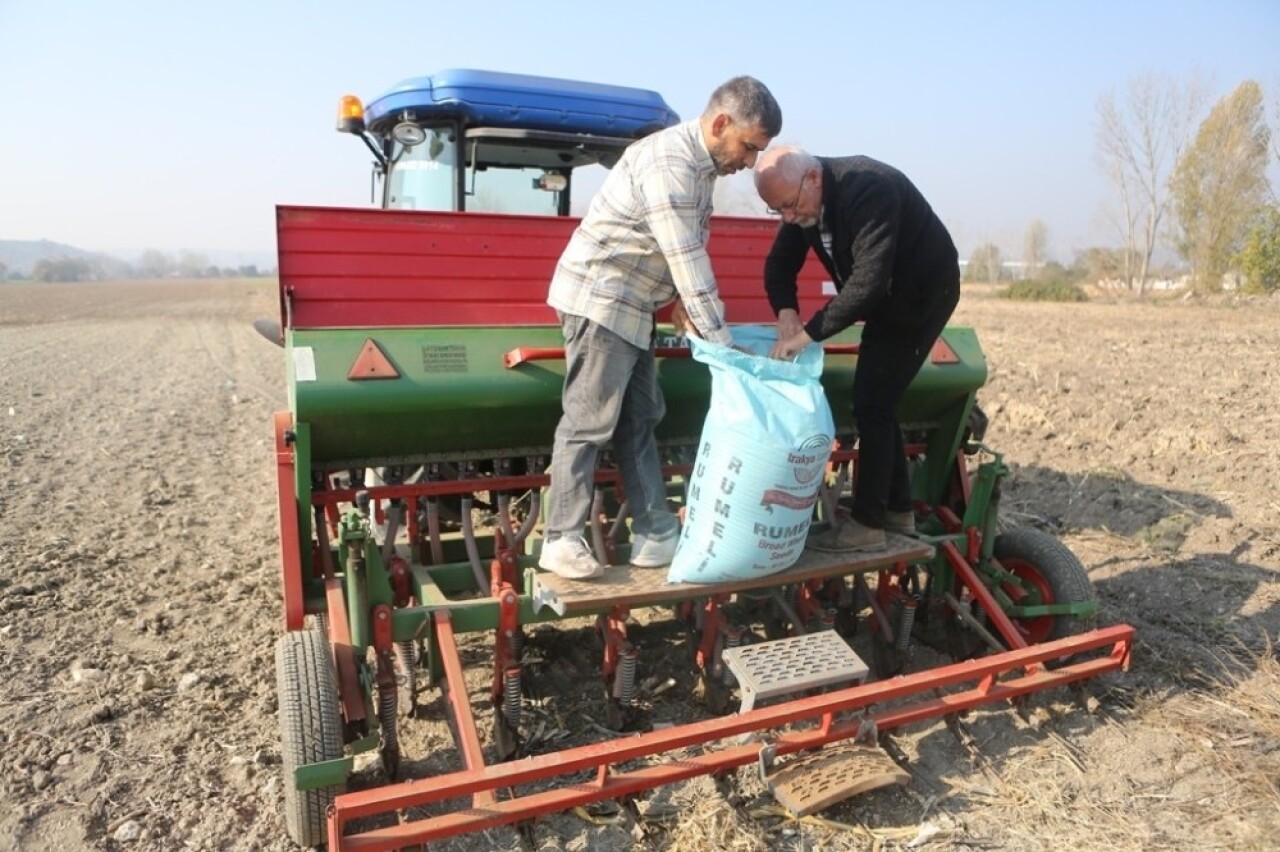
312 776
455 396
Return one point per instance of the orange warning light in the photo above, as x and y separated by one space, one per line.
350 115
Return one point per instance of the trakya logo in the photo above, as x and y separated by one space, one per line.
811 459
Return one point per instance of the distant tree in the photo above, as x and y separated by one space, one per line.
106 268
1034 245
1100 264
153 264
249 271
1138 145
984 264
1275 128
1220 185
191 264
4 272
61 269
1260 257
1055 271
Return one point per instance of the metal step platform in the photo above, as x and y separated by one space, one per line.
626 585
817 781
785 666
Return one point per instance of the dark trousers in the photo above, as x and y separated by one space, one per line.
887 362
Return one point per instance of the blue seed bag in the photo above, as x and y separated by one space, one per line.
760 461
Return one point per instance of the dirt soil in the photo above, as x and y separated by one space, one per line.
140 602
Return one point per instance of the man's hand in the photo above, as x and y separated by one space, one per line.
680 319
788 348
788 324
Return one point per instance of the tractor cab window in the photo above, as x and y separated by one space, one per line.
511 189
424 176
497 170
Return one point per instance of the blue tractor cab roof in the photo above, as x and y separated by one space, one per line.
500 100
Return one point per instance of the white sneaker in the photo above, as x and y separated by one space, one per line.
653 553
569 557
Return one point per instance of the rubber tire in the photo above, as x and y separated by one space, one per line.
1058 567
310 729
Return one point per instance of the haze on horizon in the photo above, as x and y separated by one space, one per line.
181 128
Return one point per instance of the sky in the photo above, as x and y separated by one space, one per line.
175 125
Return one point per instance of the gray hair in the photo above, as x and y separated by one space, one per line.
747 101
788 162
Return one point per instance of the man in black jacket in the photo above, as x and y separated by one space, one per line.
895 269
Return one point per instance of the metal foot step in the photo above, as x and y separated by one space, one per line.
818 781
794 664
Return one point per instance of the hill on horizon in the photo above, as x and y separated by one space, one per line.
21 256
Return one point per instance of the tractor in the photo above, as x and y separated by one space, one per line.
424 372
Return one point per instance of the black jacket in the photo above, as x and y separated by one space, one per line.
892 260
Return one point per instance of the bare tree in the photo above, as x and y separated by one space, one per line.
984 264
1034 245
1275 132
1139 143
1220 184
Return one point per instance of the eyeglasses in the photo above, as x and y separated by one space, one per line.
788 208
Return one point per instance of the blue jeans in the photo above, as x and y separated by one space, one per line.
610 393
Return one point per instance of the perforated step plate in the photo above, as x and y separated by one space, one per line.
785 666
814 782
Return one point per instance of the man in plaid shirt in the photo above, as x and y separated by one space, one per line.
642 245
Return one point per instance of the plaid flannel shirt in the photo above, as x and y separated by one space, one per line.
644 241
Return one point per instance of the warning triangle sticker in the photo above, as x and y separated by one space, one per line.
943 353
372 363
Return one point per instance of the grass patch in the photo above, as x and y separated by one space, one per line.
1046 290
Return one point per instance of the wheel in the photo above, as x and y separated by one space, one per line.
1054 575
310 729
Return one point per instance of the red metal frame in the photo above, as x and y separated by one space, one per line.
613 629
942 353
290 553
344 658
600 758
454 687
447 487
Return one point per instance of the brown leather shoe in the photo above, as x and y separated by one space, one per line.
851 536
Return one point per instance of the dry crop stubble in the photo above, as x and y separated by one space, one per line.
137 507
